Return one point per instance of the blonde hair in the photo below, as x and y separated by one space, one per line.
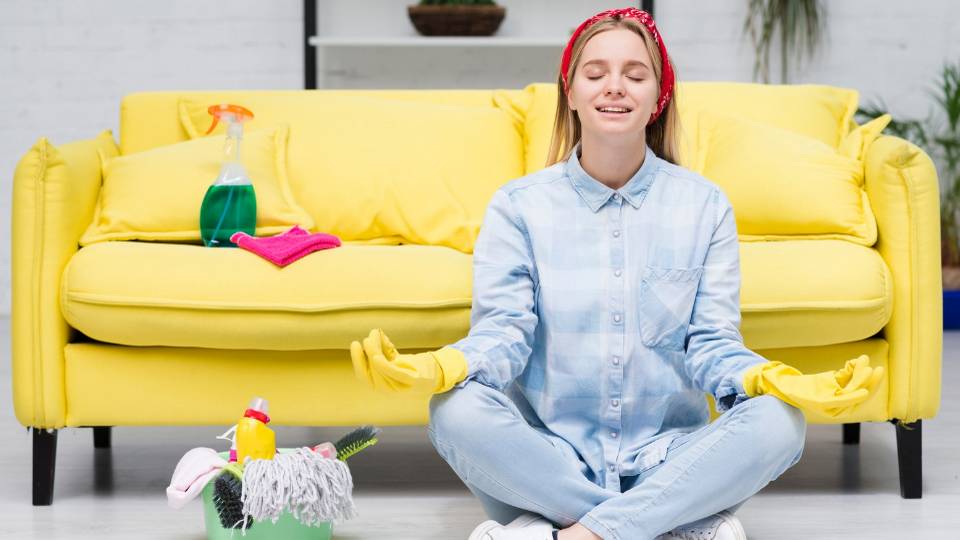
663 136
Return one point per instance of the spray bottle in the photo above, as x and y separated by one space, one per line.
230 204
253 437
231 436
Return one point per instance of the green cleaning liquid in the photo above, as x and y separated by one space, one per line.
225 210
230 204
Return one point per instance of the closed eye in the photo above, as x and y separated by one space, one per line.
637 79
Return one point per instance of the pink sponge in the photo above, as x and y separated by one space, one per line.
285 247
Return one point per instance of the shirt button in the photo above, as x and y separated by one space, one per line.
616 234
613 434
616 318
617 273
615 403
616 360
616 196
611 468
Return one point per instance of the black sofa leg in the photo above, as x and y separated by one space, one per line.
909 457
44 465
101 436
851 433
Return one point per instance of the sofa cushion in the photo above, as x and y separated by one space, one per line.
156 194
803 293
857 143
106 147
794 293
139 293
824 113
371 168
784 184
152 119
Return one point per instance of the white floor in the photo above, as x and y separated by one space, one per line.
403 490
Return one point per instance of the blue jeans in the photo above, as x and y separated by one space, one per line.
513 468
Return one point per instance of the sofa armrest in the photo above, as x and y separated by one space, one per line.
901 183
55 191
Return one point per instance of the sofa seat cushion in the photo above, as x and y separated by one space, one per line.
794 293
139 293
801 293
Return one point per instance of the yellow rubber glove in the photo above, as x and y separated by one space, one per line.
378 363
831 393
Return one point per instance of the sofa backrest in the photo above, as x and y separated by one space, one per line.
151 119
369 166
419 166
824 113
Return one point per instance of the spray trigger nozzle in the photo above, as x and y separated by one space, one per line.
229 113
229 435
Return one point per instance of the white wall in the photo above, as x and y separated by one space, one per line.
64 65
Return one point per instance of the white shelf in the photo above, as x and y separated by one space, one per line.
435 41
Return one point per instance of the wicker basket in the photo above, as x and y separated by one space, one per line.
456 20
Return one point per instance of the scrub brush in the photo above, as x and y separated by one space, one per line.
227 489
355 441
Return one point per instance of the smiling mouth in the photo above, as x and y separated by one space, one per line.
613 111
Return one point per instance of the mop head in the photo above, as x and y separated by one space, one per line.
314 489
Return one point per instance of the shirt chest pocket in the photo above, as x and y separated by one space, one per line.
665 304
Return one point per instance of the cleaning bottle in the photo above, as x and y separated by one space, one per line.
230 204
253 437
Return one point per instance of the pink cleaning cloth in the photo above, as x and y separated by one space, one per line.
194 470
327 450
286 247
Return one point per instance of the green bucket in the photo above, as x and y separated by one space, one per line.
286 528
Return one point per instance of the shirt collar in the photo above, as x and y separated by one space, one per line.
595 193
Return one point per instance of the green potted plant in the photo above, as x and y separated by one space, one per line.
939 136
456 17
798 25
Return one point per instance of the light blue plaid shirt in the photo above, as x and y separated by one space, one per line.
606 314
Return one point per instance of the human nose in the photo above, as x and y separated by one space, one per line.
613 87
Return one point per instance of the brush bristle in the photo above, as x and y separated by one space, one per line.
355 441
227 490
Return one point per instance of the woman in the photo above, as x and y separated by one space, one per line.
606 302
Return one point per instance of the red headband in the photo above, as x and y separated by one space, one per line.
666 78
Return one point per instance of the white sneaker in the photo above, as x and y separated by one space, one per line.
525 527
722 526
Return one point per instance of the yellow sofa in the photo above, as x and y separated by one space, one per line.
146 328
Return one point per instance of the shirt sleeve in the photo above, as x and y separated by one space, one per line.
503 315
716 357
